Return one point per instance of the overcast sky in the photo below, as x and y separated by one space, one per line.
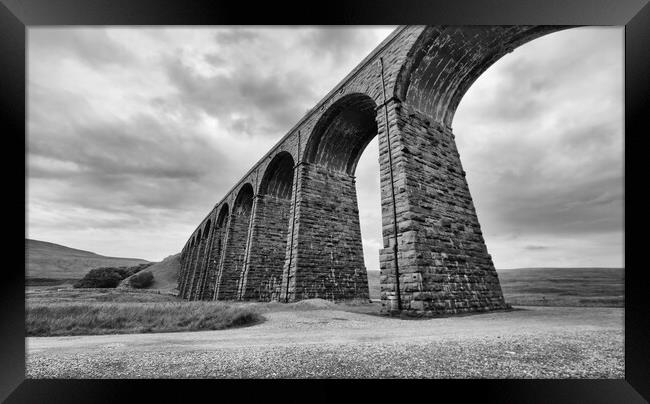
135 133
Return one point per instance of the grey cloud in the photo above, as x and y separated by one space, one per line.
245 102
94 46
587 207
536 247
142 146
339 43
595 136
525 91
235 36
145 161
215 59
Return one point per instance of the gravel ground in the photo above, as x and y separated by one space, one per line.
534 342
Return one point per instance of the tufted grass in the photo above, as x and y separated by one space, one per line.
96 312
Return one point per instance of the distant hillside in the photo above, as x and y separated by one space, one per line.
54 261
552 286
563 286
165 273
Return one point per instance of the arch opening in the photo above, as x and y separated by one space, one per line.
342 133
445 61
199 268
278 177
262 278
235 247
205 260
444 265
216 251
191 265
331 250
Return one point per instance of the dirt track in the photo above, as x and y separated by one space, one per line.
535 342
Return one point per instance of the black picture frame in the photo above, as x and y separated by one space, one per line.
18 15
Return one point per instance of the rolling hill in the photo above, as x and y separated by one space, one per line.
165 273
53 261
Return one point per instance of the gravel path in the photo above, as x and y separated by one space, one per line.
536 342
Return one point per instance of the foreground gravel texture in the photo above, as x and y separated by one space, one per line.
323 341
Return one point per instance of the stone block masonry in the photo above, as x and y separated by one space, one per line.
293 231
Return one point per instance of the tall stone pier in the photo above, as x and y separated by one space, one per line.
289 229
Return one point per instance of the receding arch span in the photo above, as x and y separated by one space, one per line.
204 258
235 247
223 216
445 60
191 265
342 133
244 201
262 278
278 177
215 257
331 246
200 267
206 228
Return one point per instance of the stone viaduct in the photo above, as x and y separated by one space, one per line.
289 229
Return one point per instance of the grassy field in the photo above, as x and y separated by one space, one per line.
55 311
575 287
64 310
572 287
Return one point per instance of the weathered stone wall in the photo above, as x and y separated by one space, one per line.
233 263
189 270
329 250
198 268
268 249
205 265
443 262
210 283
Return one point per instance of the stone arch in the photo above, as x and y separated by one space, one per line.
219 234
185 264
439 261
329 250
262 279
446 60
342 133
233 263
204 260
406 92
191 265
277 180
197 273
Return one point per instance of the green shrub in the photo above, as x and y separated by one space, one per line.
100 278
141 280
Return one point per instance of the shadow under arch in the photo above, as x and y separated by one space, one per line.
270 234
215 255
342 133
235 250
191 265
446 60
185 266
329 250
201 268
441 261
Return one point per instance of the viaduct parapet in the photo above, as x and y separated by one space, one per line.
289 229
